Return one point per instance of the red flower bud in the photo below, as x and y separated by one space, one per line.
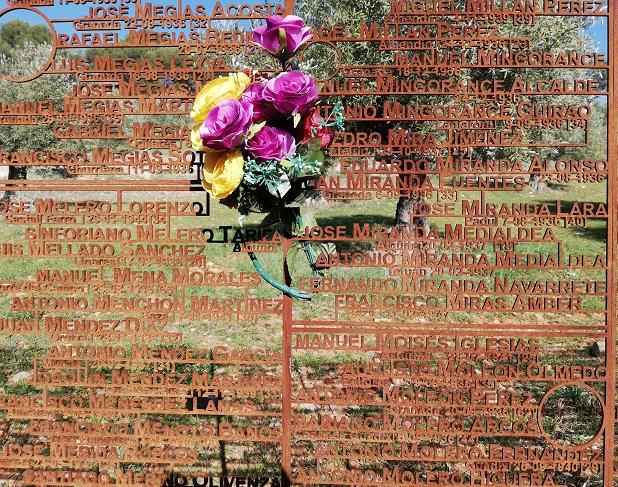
311 126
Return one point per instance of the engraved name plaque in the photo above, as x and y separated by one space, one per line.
418 290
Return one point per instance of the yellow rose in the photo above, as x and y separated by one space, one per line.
222 172
224 88
196 140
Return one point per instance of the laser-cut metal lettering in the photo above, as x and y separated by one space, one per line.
449 348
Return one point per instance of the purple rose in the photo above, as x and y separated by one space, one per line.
281 33
291 92
227 125
271 143
262 110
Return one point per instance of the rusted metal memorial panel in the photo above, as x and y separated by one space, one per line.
454 320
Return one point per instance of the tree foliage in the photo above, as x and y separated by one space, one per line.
15 34
51 87
48 87
546 34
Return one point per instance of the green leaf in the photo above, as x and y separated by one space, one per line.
304 219
316 155
327 248
273 218
285 163
292 257
283 39
314 152
255 128
308 217
314 144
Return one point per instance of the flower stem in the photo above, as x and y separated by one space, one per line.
287 290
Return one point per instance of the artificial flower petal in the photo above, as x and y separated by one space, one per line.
196 140
222 172
224 88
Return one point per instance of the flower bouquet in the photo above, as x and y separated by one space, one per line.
264 141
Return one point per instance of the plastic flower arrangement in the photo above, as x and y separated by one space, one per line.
264 141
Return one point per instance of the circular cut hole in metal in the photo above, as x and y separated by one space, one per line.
571 415
27 44
320 59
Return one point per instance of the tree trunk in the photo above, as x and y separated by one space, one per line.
15 173
403 213
535 183
406 203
